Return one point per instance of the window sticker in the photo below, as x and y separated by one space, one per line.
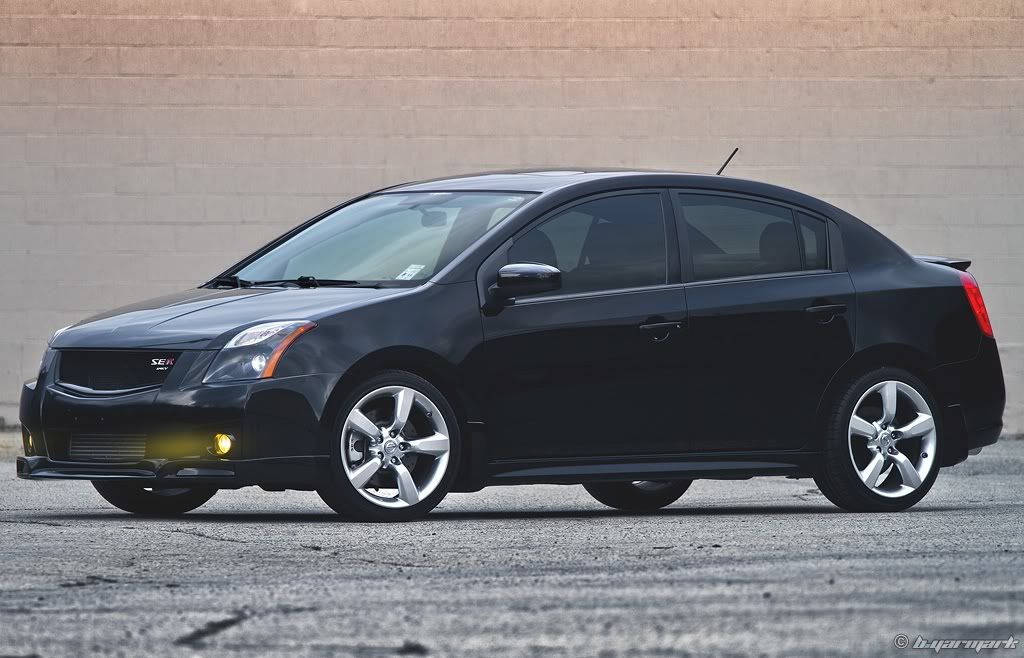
409 272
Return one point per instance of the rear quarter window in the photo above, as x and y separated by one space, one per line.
814 239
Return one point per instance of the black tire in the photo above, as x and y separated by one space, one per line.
136 499
638 496
836 476
341 495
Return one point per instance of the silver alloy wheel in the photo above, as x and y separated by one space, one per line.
892 439
395 446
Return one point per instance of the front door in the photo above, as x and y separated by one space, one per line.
591 369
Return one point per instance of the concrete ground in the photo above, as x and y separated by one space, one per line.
763 566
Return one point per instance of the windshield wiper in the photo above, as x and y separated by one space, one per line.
313 282
230 281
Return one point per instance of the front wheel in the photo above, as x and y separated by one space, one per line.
395 450
639 495
144 501
882 445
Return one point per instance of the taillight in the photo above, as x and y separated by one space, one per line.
977 303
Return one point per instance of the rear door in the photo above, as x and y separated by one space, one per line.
770 319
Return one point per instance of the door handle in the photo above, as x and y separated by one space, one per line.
833 309
659 332
827 312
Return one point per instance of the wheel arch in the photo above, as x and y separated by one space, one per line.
918 363
436 370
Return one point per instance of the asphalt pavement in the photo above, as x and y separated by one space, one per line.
763 566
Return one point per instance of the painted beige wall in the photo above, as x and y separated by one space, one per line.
145 145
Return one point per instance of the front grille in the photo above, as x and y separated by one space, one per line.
107 447
114 370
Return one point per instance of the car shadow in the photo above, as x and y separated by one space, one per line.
738 510
480 515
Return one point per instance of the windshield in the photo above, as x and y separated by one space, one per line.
386 238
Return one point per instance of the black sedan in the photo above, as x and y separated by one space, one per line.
628 331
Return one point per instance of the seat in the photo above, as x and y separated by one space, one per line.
603 245
468 225
778 249
614 256
534 247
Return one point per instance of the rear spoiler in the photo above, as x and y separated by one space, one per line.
956 263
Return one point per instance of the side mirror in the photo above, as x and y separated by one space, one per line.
518 279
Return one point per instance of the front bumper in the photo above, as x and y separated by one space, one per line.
277 424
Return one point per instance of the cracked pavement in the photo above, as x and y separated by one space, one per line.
759 566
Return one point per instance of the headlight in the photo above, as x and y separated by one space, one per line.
253 353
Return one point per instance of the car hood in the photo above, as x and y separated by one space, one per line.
193 319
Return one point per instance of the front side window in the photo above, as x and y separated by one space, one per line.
605 244
731 237
397 238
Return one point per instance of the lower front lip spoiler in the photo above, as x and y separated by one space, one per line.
302 472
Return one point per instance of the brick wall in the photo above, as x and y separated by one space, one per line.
146 145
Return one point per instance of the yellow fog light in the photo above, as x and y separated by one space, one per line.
222 444
30 444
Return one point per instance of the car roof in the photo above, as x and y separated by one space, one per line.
531 180
547 181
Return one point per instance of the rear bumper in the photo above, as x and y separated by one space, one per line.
985 436
277 425
974 397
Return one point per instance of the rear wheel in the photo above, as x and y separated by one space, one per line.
639 495
882 444
395 450
144 501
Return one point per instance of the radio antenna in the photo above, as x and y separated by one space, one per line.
727 161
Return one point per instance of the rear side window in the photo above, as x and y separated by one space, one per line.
814 236
604 244
732 237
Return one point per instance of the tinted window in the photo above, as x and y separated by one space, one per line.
608 243
814 234
736 237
